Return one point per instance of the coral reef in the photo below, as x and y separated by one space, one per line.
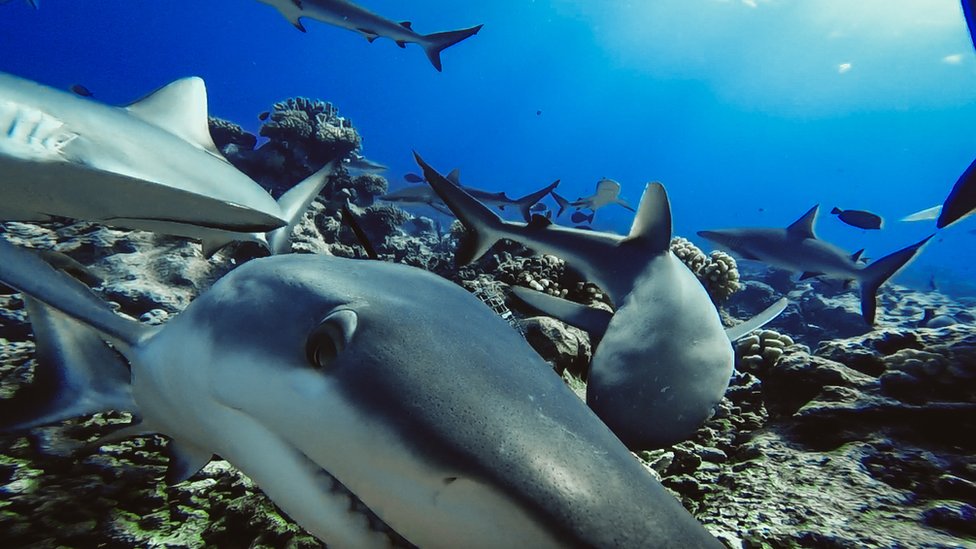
717 271
759 351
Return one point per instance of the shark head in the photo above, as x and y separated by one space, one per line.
370 401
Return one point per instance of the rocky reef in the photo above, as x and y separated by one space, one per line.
831 434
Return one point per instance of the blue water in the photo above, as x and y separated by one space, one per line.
749 111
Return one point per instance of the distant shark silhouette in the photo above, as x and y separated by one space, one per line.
348 15
372 402
151 165
797 248
659 370
425 195
607 192
36 4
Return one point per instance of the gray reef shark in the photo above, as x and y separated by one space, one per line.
151 165
367 413
348 15
797 248
665 360
607 192
36 4
356 162
423 194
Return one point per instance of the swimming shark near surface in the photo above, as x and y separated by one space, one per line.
151 165
423 194
348 15
36 4
797 248
665 360
366 413
607 192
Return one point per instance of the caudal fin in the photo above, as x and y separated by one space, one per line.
874 275
476 217
525 203
437 42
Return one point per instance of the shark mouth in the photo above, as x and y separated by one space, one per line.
356 507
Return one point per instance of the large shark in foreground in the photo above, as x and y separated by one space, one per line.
348 15
151 165
665 360
326 384
425 195
797 248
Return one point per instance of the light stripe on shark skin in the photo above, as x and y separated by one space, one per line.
665 361
309 372
347 15
796 248
149 166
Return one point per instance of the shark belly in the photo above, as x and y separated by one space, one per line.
664 362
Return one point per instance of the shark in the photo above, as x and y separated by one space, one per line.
151 165
665 360
36 4
368 414
607 192
797 248
351 16
423 194
356 162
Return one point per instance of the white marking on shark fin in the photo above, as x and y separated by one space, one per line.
185 460
803 228
180 108
764 317
928 214
652 224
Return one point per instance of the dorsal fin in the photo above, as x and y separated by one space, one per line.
652 223
803 227
180 108
455 176
856 256
406 25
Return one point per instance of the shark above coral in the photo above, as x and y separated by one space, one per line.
659 370
367 413
151 165
797 248
607 192
348 15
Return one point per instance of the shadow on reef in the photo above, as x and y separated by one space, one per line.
866 440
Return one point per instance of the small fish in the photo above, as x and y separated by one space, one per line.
580 217
539 207
264 116
80 90
413 178
538 113
859 218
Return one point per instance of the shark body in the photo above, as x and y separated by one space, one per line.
665 360
425 195
349 15
797 248
36 4
151 165
607 192
317 377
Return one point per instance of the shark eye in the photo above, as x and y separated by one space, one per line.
330 337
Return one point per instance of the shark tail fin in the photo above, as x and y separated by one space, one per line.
77 373
525 203
962 198
563 203
437 42
293 205
874 275
477 218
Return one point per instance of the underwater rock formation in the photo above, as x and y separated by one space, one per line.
718 271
